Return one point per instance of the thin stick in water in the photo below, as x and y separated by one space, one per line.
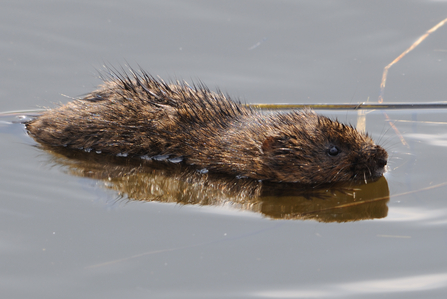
414 45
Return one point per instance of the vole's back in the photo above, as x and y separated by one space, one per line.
138 116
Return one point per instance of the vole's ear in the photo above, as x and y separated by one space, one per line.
270 143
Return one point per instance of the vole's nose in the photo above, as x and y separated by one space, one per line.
381 163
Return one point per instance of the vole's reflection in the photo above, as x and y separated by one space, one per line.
147 180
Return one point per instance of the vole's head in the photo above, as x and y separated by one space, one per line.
311 149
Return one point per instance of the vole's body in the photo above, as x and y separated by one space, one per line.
142 116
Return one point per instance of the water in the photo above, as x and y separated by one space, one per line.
67 230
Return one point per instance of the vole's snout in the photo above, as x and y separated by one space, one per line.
381 160
381 163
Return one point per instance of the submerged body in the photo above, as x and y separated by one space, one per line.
141 116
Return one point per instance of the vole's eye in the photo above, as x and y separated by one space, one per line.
333 151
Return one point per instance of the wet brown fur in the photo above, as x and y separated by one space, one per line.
138 115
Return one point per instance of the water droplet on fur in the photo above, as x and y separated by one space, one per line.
160 157
176 160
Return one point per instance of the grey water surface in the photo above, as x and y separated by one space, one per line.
74 228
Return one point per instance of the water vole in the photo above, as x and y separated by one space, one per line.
139 116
